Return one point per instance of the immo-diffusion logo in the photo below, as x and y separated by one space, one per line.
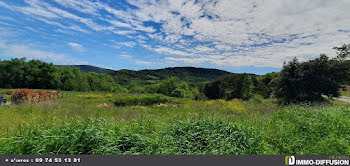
290 160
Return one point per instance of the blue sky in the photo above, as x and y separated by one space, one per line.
235 35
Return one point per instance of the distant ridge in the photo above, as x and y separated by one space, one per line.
192 71
149 76
169 70
89 68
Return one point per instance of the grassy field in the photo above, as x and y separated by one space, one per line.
96 123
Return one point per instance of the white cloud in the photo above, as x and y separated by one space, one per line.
204 49
42 10
76 46
136 61
119 24
126 56
145 63
123 32
127 44
83 6
79 29
259 33
170 51
7 18
19 51
220 32
104 66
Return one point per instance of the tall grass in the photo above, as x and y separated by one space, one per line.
193 136
75 125
140 100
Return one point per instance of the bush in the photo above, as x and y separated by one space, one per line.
140 100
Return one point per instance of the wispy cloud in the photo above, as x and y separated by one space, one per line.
126 44
259 33
220 32
83 6
76 46
19 51
167 50
136 61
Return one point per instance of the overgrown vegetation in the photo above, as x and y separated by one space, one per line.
140 100
74 125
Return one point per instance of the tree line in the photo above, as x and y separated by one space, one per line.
297 82
35 74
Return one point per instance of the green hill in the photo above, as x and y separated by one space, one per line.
124 76
190 74
89 68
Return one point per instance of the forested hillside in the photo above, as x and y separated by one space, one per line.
89 68
189 74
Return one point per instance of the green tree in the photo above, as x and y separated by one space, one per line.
343 51
172 86
265 84
230 87
308 81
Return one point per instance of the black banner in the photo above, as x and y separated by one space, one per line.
222 160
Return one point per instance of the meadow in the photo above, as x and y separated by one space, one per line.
97 123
